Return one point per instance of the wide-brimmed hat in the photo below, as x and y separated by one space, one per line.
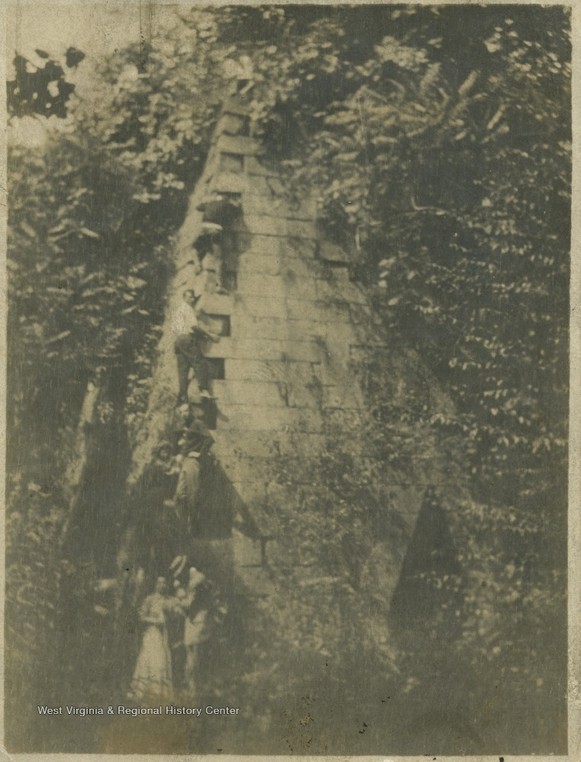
195 576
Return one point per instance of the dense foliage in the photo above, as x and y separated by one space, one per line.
41 89
438 142
442 158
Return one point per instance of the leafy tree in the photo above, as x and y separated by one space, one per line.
41 90
438 142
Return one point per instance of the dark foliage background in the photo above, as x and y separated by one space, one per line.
438 141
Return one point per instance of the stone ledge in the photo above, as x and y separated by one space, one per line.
283 245
258 284
279 329
266 264
252 418
250 392
264 349
272 206
262 306
261 224
279 286
228 182
236 105
301 371
233 124
217 304
236 144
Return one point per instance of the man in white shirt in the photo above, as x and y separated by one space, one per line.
189 336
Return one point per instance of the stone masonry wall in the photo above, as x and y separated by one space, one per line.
296 326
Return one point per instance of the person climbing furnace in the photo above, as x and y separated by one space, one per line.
219 237
190 336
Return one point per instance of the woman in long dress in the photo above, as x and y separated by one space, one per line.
152 678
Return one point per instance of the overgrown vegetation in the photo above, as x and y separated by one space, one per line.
438 142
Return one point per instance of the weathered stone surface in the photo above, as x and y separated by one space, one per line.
246 550
304 269
268 245
262 306
319 310
305 248
236 144
330 252
342 397
231 162
236 104
240 348
364 318
228 182
299 331
255 470
264 203
264 349
252 492
305 395
300 228
257 583
267 264
305 444
216 323
217 304
267 394
275 186
250 443
233 124
282 285
332 288
253 418
270 370
308 351
254 167
260 224
258 284
273 328
305 209
244 468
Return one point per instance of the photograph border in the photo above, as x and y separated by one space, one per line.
574 531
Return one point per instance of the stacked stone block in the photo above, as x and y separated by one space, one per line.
293 316
292 328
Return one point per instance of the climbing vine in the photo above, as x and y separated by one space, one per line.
438 142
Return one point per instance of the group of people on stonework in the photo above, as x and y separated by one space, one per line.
176 622
169 495
217 250
175 626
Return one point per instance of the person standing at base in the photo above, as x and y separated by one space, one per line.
197 602
152 678
188 347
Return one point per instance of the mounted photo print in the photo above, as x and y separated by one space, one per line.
290 452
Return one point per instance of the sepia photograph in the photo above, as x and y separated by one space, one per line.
287 379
